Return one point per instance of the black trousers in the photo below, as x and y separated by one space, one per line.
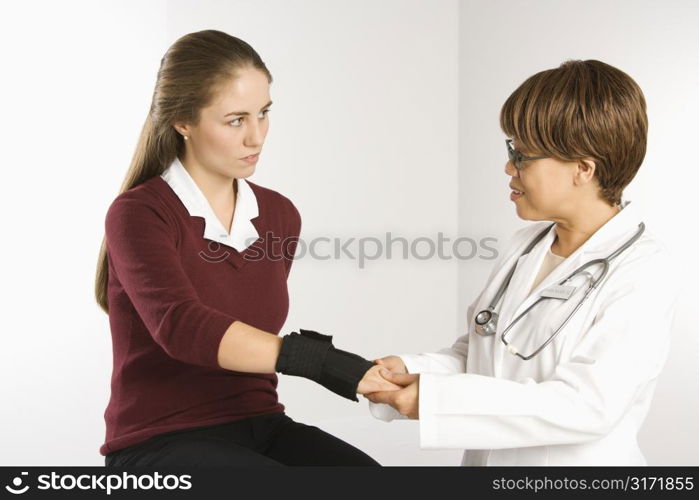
273 439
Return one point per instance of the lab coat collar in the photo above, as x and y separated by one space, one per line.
243 232
612 233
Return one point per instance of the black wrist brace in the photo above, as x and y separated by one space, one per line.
311 355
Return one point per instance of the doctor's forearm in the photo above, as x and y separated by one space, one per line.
245 348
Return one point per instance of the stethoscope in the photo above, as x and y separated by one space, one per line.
487 320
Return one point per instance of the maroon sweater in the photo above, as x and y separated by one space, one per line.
172 295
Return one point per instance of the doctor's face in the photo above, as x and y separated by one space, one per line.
544 188
232 129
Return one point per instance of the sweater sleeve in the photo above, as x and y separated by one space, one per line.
141 247
291 237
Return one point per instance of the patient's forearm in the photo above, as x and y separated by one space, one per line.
245 348
309 354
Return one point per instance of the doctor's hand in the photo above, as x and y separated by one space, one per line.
406 400
393 363
373 382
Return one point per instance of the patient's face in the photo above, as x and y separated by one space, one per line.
548 190
233 126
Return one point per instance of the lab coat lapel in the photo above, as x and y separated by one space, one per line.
527 268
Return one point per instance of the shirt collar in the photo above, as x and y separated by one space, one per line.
243 232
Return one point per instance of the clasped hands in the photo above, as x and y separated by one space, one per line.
388 381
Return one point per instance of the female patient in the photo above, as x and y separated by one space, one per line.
192 273
566 341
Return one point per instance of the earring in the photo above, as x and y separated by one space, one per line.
185 137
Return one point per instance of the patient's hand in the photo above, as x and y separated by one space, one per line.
393 363
373 382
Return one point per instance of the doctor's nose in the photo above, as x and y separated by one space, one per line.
511 170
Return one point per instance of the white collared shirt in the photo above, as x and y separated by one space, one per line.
243 232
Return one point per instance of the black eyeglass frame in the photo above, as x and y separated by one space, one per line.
517 158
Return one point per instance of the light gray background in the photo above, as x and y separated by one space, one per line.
385 119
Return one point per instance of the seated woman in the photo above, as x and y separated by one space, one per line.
193 275
566 341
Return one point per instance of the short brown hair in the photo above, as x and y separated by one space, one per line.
582 109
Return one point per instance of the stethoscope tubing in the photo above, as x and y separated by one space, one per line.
594 283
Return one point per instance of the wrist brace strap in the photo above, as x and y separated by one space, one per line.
312 355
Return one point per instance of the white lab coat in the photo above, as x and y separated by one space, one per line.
583 398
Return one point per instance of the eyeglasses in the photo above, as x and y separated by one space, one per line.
516 157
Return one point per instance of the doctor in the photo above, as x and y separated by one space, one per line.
555 372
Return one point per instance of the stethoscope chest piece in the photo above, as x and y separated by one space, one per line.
486 322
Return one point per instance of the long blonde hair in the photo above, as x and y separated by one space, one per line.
190 72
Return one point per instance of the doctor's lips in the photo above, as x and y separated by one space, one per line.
252 158
516 193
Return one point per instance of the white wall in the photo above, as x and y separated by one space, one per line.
76 86
385 119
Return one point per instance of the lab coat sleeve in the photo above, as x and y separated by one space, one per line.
584 397
141 249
